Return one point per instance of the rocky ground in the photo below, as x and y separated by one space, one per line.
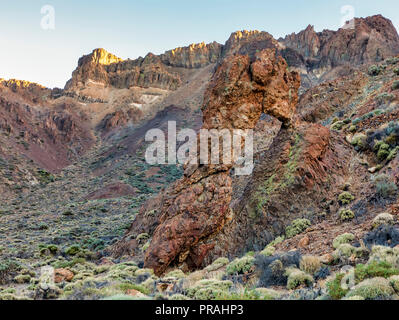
317 219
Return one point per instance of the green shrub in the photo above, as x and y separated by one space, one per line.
374 269
385 187
383 218
385 254
345 198
208 289
239 295
359 141
393 153
45 177
396 71
268 251
344 251
382 149
393 60
346 215
343 238
310 264
297 227
335 289
337 126
394 282
297 278
22 278
8 268
352 128
217 264
277 241
73 250
382 154
48 249
371 289
385 97
240 265
132 286
395 85
175 274
374 70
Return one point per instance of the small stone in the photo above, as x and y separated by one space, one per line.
327 258
304 242
373 169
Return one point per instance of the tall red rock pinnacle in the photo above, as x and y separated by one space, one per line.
198 206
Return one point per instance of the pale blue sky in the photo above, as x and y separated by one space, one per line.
130 28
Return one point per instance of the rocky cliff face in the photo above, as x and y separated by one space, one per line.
194 56
315 55
105 69
372 39
151 71
50 133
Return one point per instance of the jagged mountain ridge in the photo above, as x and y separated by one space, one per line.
314 54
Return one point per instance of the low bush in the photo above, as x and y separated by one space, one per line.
335 288
374 70
374 269
345 198
359 141
272 269
385 98
297 227
209 289
343 238
386 255
372 289
217 264
383 218
297 278
394 282
346 215
240 265
310 264
395 85
385 187
8 269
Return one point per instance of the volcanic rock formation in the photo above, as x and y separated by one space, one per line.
370 40
198 206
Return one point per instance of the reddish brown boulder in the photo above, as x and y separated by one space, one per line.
61 275
304 242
